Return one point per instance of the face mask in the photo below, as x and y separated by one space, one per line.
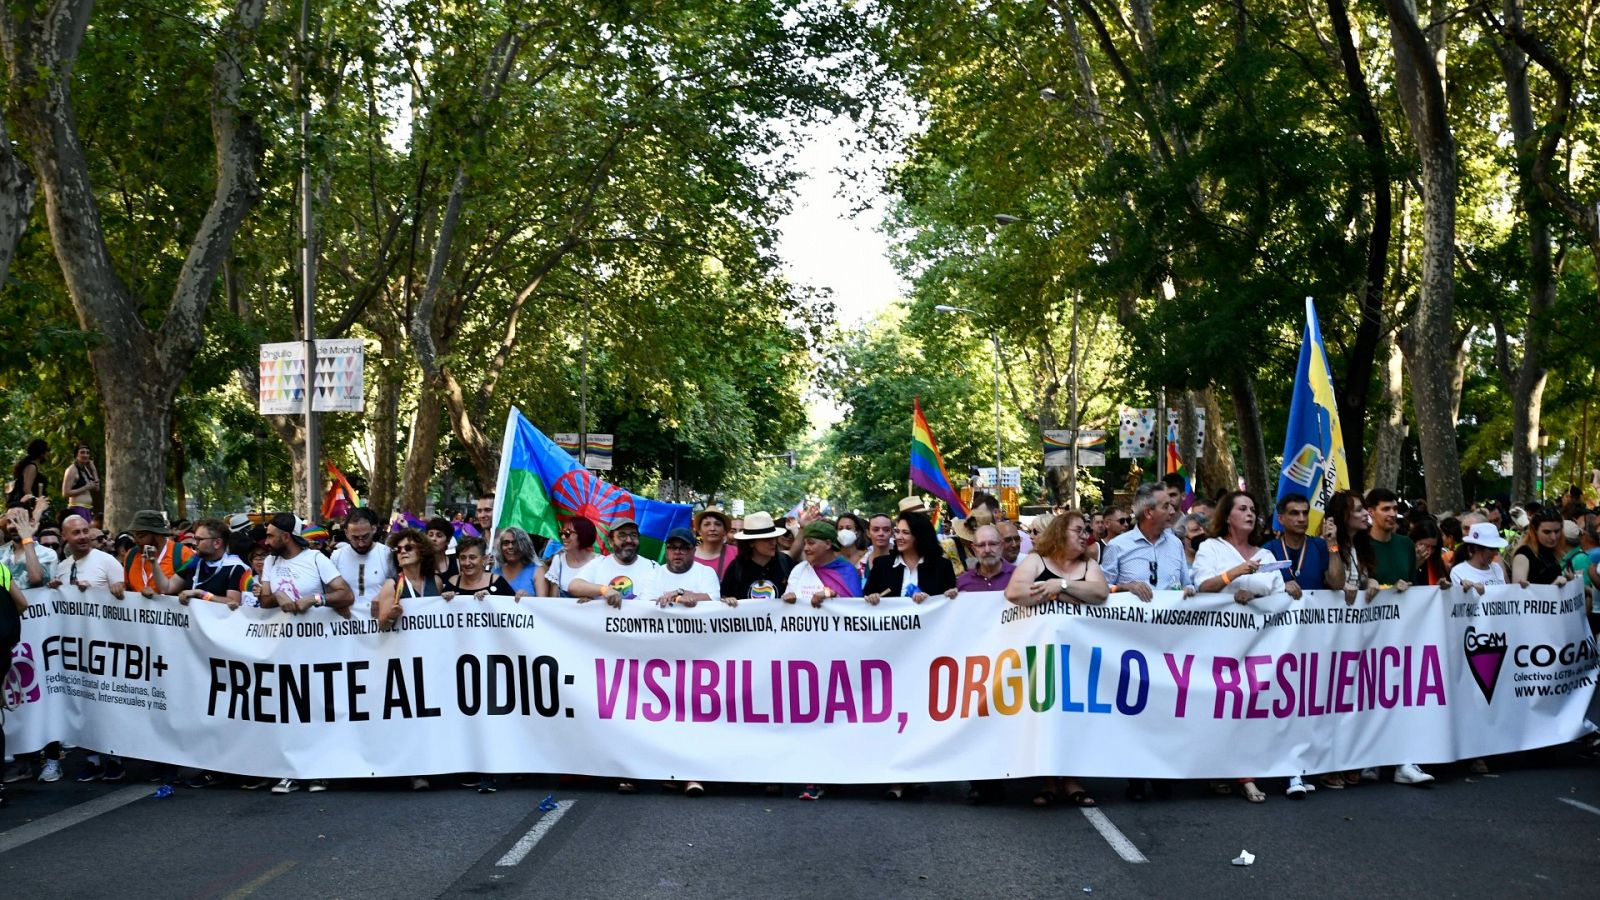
847 538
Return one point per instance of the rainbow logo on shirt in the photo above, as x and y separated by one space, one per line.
623 585
763 590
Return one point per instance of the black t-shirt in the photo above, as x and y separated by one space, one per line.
498 586
10 620
1543 566
451 569
230 573
746 580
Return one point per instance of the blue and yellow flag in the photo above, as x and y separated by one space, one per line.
1313 447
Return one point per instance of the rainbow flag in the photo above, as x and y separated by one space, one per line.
927 467
540 485
340 497
1175 464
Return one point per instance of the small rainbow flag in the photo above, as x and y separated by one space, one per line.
1175 464
927 467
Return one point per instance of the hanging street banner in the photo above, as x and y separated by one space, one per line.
598 454
340 377
969 688
1091 447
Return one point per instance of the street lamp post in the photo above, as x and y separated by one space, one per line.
994 335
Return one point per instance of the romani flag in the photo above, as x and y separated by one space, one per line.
340 497
541 485
927 467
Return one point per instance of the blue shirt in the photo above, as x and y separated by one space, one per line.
1307 566
1130 556
524 580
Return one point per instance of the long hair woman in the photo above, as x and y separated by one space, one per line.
918 569
1352 565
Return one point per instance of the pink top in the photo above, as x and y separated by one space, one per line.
720 566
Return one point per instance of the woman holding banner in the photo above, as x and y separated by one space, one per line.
517 563
1233 560
578 535
1059 568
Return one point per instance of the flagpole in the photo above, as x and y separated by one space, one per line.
308 281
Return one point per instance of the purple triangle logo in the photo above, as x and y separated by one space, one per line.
1485 653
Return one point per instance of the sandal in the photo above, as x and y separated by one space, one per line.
627 787
693 789
1253 793
1479 766
1081 799
1333 781
1352 777
1045 799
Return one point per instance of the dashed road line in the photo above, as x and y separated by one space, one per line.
1580 804
83 812
1119 842
527 842
256 883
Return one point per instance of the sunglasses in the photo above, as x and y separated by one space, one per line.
1124 521
567 534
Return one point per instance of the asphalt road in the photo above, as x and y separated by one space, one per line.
1510 835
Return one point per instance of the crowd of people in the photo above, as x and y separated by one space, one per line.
1366 543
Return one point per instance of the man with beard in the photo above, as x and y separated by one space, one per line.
363 562
295 578
155 563
216 575
683 582
991 570
620 576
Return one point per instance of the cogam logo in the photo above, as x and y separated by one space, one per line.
22 682
1485 653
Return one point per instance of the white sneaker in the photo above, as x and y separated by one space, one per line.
1298 789
318 785
286 786
51 771
1369 774
1411 773
419 784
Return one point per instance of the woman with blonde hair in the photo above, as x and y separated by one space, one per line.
1060 568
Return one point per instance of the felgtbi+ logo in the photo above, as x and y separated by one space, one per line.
22 682
1485 653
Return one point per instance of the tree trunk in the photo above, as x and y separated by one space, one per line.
136 369
1390 428
1247 414
1216 470
422 454
138 412
16 201
385 427
180 499
1420 86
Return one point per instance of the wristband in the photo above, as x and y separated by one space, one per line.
316 600
1226 578
206 595
1115 587
1332 547
27 541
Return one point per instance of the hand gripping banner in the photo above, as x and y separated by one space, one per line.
968 688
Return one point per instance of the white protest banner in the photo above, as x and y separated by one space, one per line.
967 688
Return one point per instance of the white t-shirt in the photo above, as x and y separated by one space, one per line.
1466 571
1216 556
558 573
639 581
99 568
698 580
15 558
364 573
308 573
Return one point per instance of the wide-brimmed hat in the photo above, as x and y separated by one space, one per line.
151 520
913 504
1484 535
967 529
714 512
758 526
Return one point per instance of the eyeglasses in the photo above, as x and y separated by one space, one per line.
1124 521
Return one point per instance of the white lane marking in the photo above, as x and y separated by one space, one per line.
83 812
1580 804
527 842
1113 835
